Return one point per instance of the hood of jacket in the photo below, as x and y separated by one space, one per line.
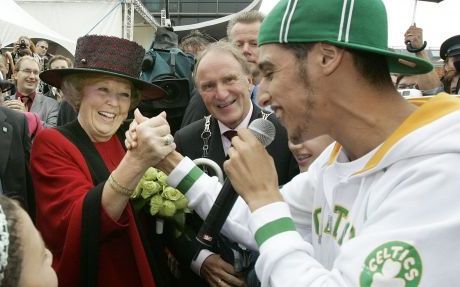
434 128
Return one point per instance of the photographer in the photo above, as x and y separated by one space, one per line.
23 47
450 53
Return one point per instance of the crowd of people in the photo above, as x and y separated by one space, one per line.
358 187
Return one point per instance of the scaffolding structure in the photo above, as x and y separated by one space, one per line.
128 17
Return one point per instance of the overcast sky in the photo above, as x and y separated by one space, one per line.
439 21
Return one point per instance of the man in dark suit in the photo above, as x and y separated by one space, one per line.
15 181
242 32
224 81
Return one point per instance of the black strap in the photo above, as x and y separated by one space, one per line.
89 260
154 250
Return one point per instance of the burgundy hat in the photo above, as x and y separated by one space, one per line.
110 56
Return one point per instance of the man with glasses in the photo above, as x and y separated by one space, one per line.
26 98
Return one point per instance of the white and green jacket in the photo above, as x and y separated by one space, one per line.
391 218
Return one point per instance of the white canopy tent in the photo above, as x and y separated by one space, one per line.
76 18
16 22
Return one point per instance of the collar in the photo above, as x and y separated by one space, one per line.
32 95
244 123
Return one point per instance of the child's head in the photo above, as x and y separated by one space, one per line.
306 152
24 259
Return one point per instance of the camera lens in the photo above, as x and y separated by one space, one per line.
23 45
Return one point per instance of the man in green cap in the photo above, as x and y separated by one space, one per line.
377 208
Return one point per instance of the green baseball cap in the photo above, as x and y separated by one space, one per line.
354 24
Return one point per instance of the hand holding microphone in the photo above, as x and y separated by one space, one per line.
251 169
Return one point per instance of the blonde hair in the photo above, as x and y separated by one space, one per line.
72 87
195 42
247 17
22 59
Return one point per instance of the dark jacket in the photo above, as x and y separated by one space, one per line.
189 143
14 159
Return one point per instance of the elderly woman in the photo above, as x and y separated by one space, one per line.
84 178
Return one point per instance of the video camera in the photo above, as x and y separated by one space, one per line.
22 45
410 93
169 67
171 70
6 86
23 49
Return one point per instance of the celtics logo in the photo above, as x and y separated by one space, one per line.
395 264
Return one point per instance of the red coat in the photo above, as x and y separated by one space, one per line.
61 179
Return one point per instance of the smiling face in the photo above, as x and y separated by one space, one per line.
104 106
36 267
305 153
26 76
290 87
224 87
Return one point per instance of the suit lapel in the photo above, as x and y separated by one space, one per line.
216 150
36 104
6 136
255 113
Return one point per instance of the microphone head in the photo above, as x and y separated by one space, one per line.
263 130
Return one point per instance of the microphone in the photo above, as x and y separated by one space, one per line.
264 131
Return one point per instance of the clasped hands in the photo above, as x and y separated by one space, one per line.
250 168
16 105
149 140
